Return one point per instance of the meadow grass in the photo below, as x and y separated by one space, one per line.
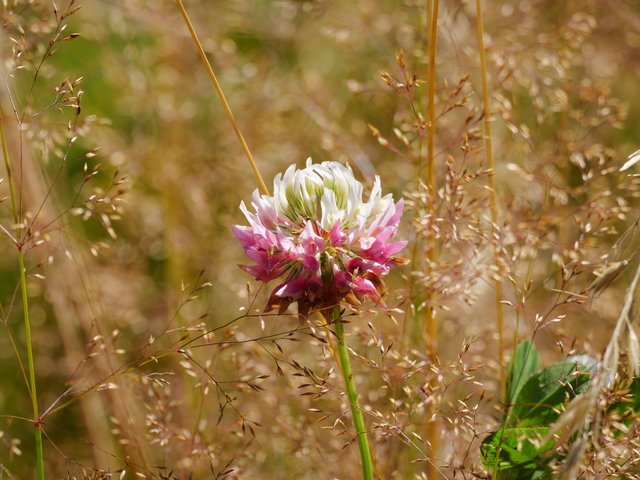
152 352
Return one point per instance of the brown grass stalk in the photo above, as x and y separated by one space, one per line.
225 104
431 333
492 191
431 324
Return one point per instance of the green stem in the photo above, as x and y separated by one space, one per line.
32 370
25 305
352 394
7 164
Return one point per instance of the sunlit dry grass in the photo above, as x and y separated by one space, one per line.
152 354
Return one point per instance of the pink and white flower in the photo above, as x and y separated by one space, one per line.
317 233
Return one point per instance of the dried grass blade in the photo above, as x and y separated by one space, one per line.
225 104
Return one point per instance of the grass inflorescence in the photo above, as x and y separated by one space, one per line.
508 346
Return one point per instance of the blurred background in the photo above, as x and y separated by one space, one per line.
126 264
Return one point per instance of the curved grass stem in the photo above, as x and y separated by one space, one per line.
352 394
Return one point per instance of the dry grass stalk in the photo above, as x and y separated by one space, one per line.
431 333
554 85
493 204
225 104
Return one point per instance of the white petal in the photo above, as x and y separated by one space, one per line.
633 159
330 212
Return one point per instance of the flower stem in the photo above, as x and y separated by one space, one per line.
352 394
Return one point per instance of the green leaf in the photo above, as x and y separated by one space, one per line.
634 392
629 407
514 451
544 395
525 362
518 453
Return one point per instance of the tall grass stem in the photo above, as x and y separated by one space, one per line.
7 164
431 325
32 370
431 321
223 99
25 305
492 191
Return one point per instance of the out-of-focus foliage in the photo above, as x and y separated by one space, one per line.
152 354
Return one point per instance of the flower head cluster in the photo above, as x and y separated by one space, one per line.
317 233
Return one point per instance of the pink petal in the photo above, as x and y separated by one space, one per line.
244 235
395 220
261 257
342 280
260 273
310 263
291 288
393 248
337 236
310 239
284 242
366 242
366 288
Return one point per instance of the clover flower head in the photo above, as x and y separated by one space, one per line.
318 233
